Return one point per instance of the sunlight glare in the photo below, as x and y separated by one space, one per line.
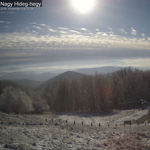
83 6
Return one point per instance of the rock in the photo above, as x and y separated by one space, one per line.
6 146
10 123
56 124
78 136
34 144
105 144
10 146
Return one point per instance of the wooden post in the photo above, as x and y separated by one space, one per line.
127 122
99 124
82 123
66 121
74 122
91 124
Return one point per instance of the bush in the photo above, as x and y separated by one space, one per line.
39 105
15 101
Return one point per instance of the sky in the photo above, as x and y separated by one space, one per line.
60 36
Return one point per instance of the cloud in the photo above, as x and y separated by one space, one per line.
97 29
123 31
51 30
63 32
37 27
2 21
143 34
110 28
68 45
8 22
133 31
44 25
33 23
73 31
62 28
83 29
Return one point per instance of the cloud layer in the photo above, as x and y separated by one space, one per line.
40 43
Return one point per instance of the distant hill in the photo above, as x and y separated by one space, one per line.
32 84
68 74
102 70
27 75
6 83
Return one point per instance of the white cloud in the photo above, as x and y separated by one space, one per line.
123 31
37 27
51 30
83 29
62 28
63 32
73 31
104 34
97 29
133 31
110 28
2 21
33 23
72 39
44 25
143 34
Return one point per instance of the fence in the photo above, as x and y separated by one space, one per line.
127 122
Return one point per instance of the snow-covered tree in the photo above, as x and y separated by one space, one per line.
15 100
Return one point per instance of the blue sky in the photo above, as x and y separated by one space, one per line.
57 36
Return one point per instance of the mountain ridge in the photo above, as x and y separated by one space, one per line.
67 74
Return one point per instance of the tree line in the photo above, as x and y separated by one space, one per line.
120 90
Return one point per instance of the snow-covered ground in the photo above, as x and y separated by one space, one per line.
115 117
34 132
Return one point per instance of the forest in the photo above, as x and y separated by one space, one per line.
122 89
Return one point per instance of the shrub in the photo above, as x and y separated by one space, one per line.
15 101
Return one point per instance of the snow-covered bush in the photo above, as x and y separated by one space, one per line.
39 104
15 101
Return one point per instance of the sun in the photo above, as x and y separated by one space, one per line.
83 6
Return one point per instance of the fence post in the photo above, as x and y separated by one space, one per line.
99 124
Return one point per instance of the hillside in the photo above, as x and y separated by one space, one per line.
101 70
14 76
68 74
28 83
51 131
